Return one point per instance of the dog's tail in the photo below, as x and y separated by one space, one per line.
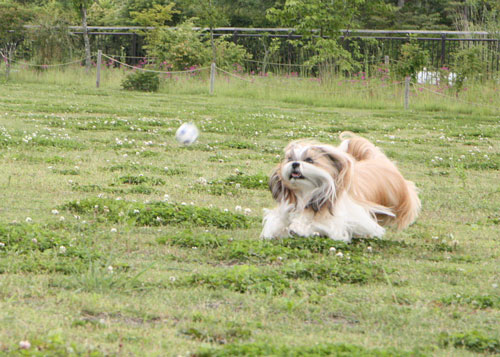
360 148
409 206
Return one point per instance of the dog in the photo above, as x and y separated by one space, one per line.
352 190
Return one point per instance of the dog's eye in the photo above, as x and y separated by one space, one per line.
309 160
289 159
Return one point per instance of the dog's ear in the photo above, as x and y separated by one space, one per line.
279 191
343 164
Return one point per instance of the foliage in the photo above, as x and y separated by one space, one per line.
472 340
242 279
182 48
157 15
249 181
13 17
468 64
54 345
413 59
51 41
142 81
228 53
319 21
476 301
329 349
157 213
185 48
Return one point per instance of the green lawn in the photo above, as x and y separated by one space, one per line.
117 241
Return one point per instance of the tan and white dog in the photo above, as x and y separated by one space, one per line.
338 192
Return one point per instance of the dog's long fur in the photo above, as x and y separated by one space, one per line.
338 192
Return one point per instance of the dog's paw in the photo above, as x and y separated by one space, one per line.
299 230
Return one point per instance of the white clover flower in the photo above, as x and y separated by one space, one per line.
183 203
28 220
340 254
2 244
333 249
110 269
62 249
24 345
172 278
136 211
61 218
280 259
226 210
247 211
237 185
114 230
369 249
34 240
238 208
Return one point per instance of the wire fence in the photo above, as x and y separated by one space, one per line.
262 81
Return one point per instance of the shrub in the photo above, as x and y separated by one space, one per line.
229 53
468 64
182 48
142 81
413 59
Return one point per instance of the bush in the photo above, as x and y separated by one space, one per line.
228 53
468 63
142 81
184 48
413 59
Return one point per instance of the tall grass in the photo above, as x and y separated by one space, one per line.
380 92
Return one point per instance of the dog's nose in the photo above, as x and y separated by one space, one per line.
295 165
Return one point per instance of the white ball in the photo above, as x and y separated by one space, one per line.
187 134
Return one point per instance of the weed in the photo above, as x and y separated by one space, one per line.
54 345
157 213
476 301
472 340
242 279
267 349
341 270
248 181
137 180
232 332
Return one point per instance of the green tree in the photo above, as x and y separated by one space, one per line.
319 21
13 17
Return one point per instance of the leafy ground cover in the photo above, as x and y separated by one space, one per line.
116 240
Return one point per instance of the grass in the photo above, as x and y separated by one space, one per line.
115 240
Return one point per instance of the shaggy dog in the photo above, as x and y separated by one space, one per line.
338 192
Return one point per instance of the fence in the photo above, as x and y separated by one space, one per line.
129 41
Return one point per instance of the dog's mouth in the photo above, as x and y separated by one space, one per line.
296 175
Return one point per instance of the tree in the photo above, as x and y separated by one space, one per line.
81 6
319 22
13 17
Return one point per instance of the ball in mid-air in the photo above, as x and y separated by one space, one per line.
187 134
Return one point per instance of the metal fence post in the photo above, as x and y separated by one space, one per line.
98 79
212 77
407 92
443 49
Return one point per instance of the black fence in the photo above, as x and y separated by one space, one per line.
128 43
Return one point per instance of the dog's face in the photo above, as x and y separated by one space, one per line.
311 175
